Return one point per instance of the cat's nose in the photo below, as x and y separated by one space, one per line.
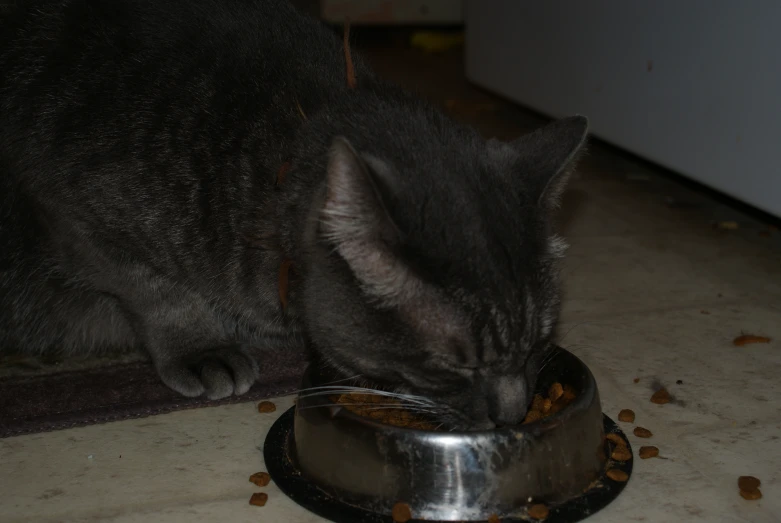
507 401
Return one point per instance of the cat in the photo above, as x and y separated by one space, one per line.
198 177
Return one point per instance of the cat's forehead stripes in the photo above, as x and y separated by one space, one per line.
530 313
502 327
495 336
511 329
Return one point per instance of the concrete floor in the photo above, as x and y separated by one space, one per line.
653 291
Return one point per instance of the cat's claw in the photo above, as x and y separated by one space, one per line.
218 373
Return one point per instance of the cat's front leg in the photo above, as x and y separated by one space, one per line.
192 353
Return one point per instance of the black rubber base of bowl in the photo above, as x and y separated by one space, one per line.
279 455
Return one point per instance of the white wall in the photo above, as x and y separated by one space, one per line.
694 85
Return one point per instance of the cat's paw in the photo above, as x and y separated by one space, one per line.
218 373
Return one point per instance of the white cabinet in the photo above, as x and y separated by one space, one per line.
693 85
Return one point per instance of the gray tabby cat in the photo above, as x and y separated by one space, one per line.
160 160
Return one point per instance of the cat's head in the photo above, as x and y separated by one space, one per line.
434 271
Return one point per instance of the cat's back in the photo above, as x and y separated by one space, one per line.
227 25
64 50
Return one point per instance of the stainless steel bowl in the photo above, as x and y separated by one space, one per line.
454 476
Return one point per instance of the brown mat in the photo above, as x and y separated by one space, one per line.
30 404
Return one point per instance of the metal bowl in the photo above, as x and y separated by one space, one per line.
454 476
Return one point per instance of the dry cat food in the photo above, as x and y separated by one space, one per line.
388 411
556 391
265 407
626 415
746 339
260 479
660 397
641 432
617 475
620 451
648 452
751 495
621 454
258 499
559 396
401 513
748 483
749 488
538 511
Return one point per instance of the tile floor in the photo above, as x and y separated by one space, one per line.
653 291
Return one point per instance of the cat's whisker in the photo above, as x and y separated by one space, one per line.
390 406
351 388
331 383
398 405
348 388
547 359
357 376
374 406
325 390
550 355
542 367
576 346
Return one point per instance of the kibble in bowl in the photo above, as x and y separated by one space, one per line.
382 409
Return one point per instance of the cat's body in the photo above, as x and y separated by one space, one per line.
141 144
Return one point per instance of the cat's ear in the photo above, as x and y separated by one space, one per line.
547 155
355 220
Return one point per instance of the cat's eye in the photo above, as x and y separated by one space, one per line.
464 355
456 364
